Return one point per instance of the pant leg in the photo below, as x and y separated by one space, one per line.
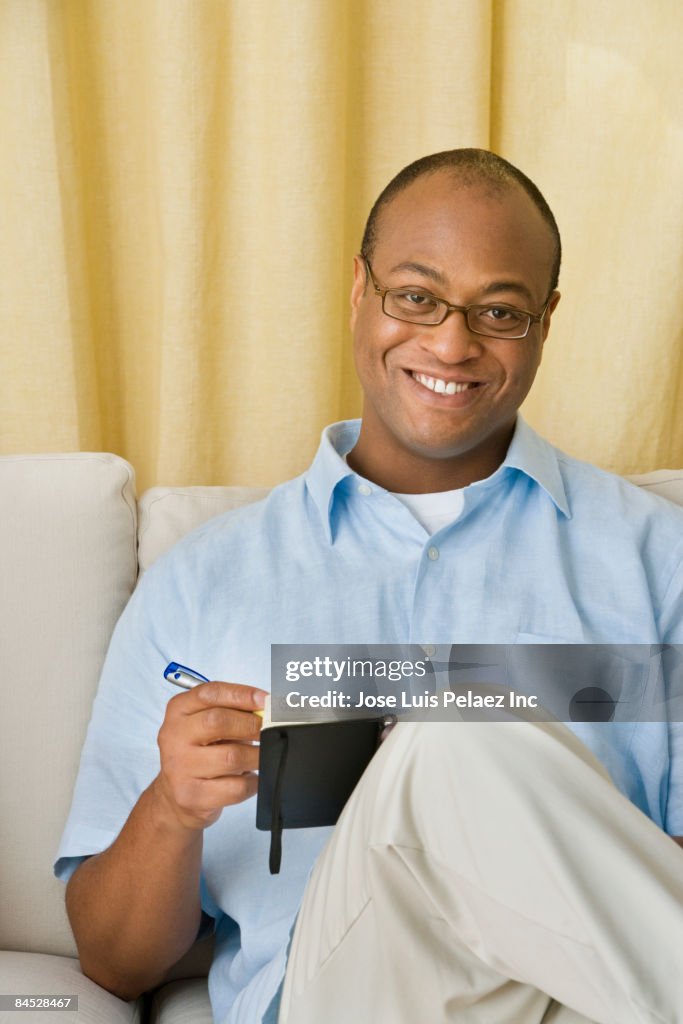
489 872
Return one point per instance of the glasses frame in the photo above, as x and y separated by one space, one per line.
451 308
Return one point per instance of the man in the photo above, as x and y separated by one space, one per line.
481 871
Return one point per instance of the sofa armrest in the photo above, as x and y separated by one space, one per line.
42 974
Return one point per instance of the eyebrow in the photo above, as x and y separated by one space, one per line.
490 289
508 286
421 268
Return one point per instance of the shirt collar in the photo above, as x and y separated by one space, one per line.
528 453
329 467
531 454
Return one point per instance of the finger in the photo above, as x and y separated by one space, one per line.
222 759
219 694
211 725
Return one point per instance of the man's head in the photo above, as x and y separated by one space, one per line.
468 228
468 167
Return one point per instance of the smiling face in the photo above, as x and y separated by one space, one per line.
440 401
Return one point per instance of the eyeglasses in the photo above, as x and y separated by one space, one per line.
415 306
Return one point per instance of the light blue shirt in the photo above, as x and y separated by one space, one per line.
547 549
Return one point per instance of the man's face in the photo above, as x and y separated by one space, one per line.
468 246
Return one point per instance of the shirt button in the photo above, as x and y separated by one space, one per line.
433 554
364 489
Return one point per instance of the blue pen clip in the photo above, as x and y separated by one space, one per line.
181 675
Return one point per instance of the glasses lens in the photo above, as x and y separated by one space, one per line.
414 306
498 321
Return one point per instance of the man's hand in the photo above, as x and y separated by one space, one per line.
135 908
208 752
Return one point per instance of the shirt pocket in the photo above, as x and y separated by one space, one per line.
581 682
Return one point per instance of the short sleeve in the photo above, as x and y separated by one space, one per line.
120 757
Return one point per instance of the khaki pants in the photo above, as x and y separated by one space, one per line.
487 873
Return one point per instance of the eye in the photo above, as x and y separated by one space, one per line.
415 300
499 320
501 314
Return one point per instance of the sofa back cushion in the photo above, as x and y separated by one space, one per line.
68 563
166 514
668 483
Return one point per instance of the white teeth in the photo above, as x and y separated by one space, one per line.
440 386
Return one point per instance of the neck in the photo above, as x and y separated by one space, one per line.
407 472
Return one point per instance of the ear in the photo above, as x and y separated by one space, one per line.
360 280
552 306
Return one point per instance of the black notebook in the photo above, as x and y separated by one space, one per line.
307 772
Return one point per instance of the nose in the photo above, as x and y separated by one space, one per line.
452 341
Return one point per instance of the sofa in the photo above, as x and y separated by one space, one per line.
74 540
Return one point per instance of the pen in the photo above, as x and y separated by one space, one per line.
186 678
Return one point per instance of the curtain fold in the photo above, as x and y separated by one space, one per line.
183 184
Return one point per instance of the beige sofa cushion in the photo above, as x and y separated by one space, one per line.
68 558
182 1002
38 974
666 482
167 513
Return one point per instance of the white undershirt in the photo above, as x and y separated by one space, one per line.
434 510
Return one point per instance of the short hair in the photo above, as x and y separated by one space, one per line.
470 167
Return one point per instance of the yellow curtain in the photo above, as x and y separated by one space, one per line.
183 184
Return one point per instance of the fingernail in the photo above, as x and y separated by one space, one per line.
259 698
